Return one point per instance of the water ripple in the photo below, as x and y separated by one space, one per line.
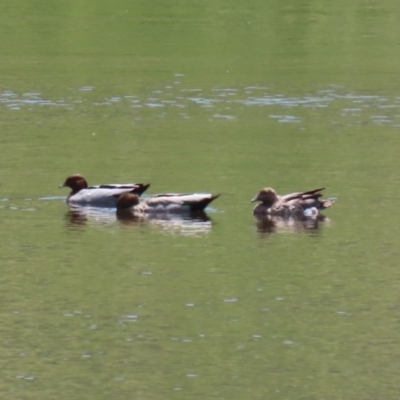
362 108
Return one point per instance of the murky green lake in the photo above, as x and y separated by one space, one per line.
214 96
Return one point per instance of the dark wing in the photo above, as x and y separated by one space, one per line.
137 188
315 194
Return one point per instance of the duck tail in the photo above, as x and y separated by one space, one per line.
328 202
203 203
140 188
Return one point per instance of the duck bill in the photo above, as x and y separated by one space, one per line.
61 186
254 199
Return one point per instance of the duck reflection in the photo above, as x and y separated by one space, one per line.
192 223
187 224
273 224
79 216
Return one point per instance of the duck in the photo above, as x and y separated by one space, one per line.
165 203
298 204
98 196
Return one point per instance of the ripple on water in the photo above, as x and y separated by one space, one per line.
376 108
86 88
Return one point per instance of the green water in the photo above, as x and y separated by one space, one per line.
217 96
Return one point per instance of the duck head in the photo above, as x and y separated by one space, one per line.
127 200
267 196
76 182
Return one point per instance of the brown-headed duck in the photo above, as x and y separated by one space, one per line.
100 195
165 203
298 204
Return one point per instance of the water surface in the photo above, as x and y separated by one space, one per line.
202 96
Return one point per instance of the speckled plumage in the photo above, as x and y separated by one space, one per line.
298 204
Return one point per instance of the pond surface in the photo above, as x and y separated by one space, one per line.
211 96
